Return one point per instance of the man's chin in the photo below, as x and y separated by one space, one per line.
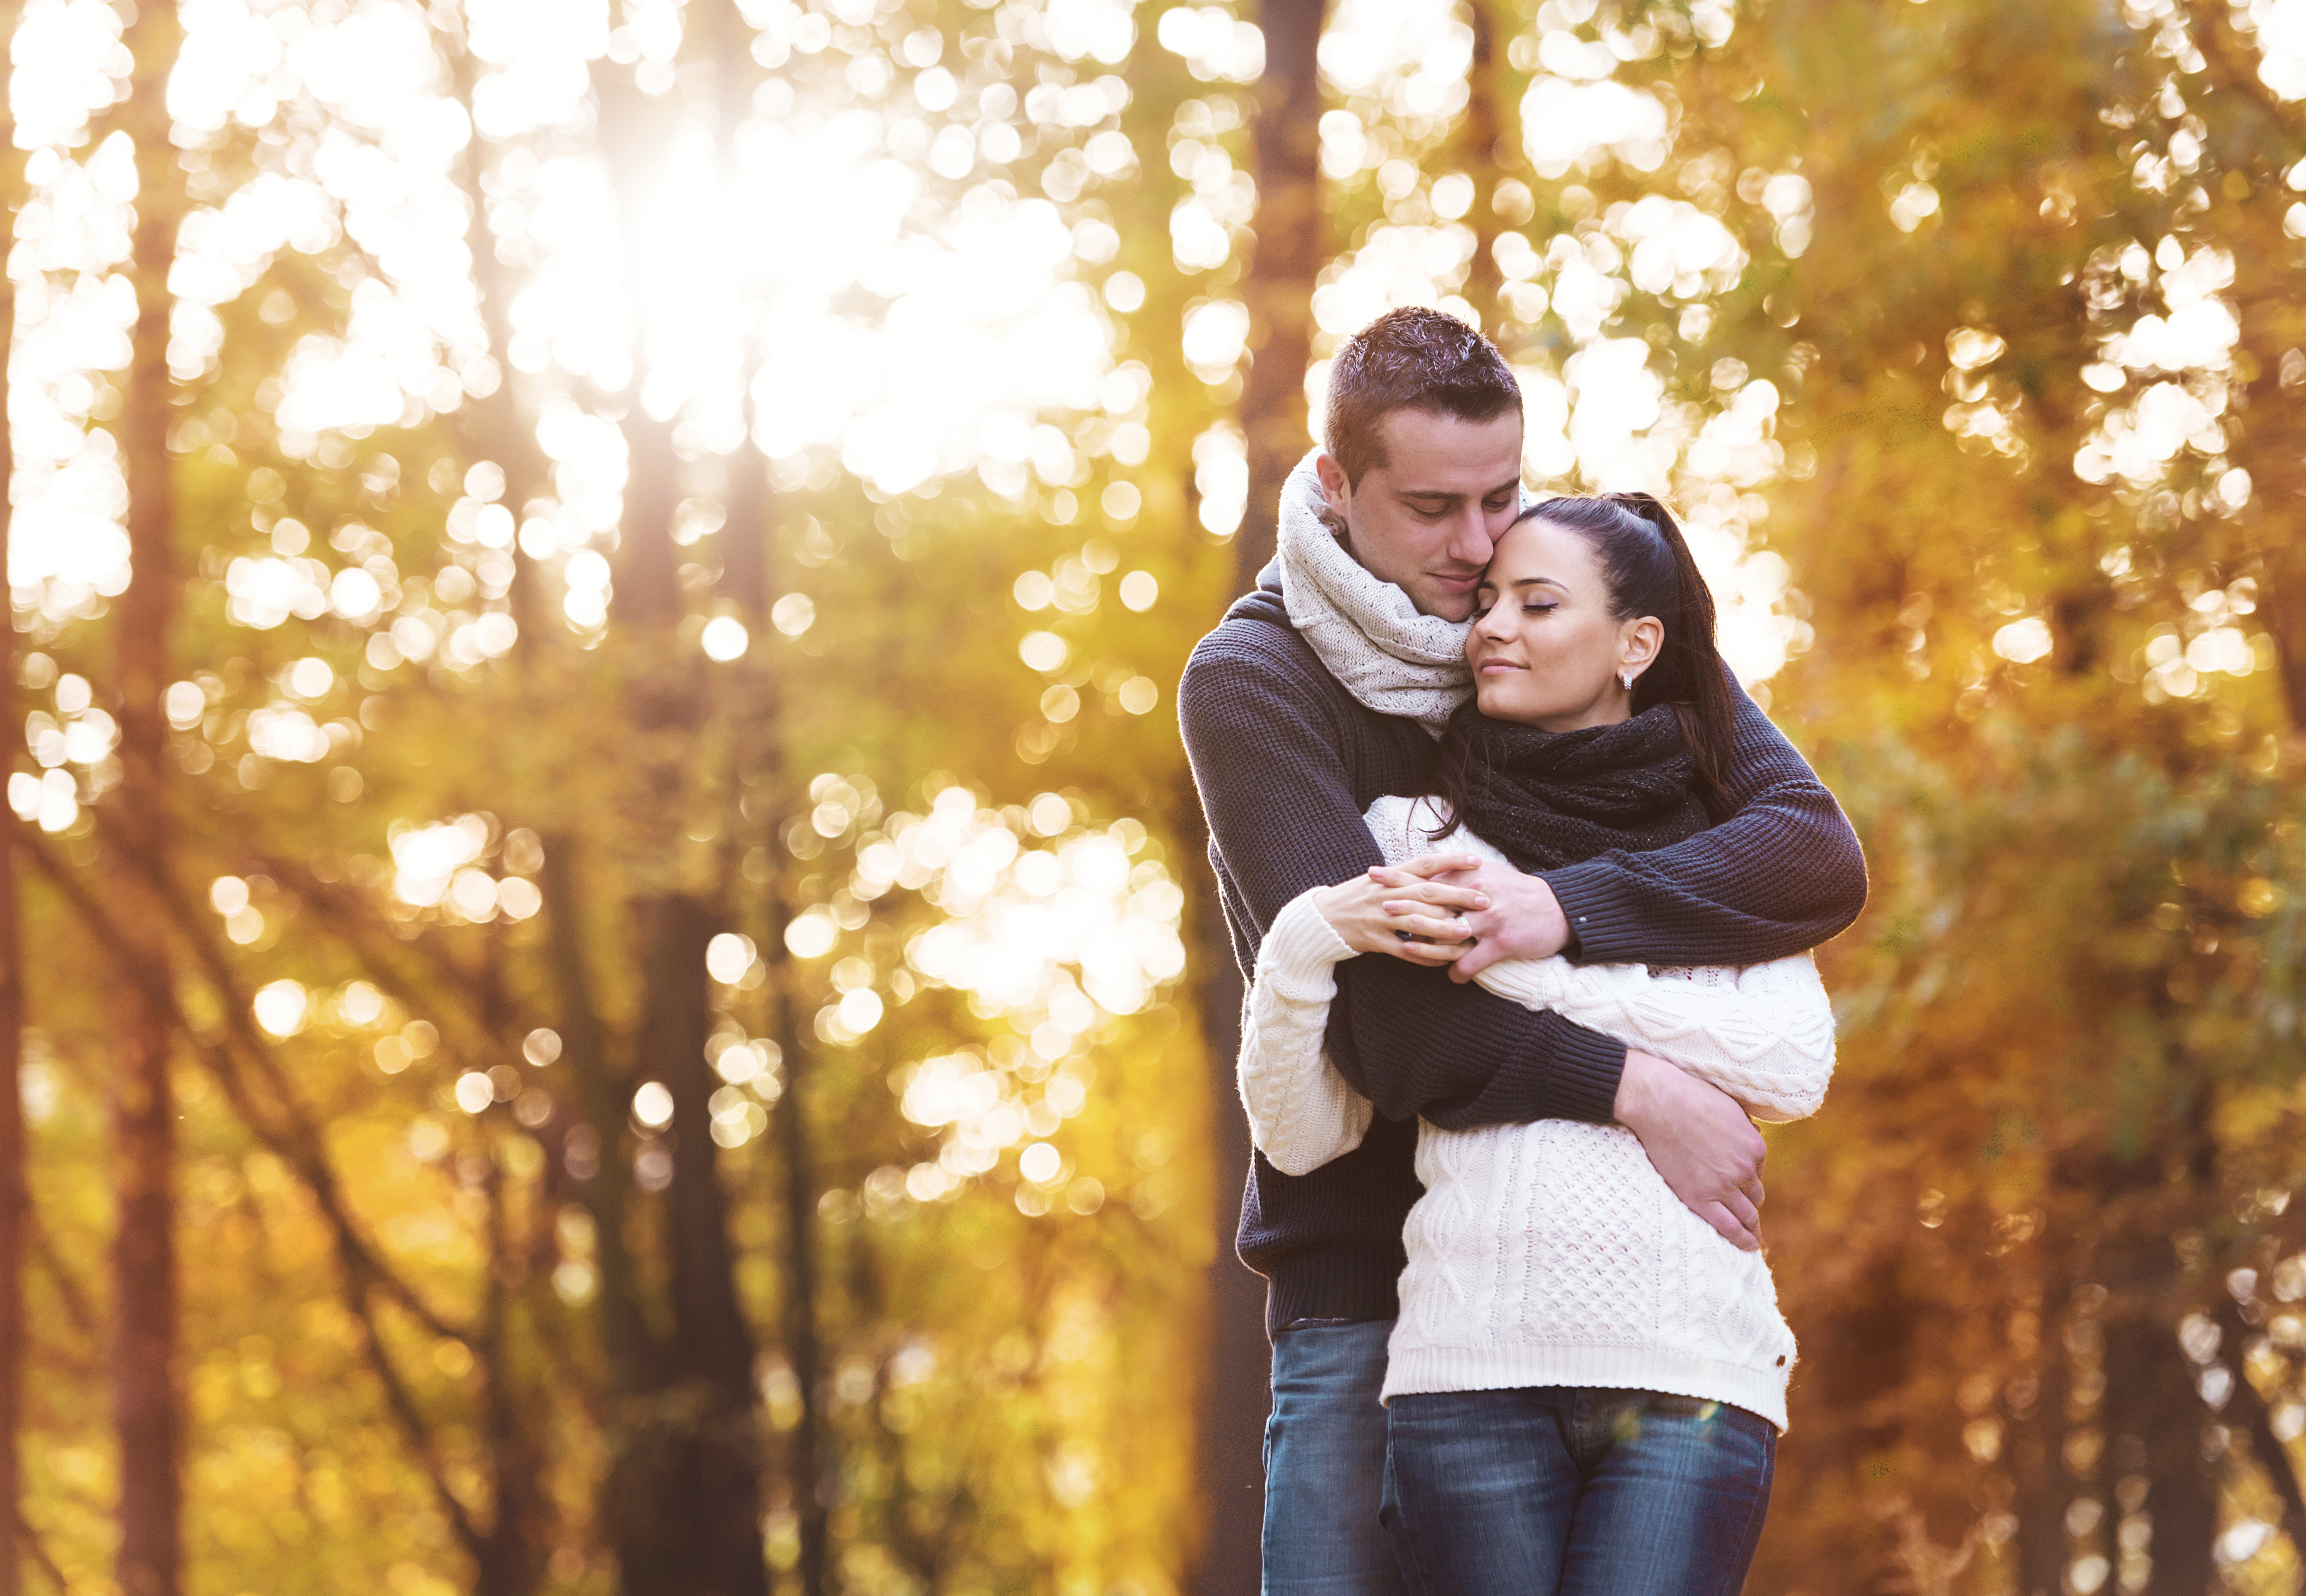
1443 604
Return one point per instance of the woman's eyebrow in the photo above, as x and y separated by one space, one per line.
1540 582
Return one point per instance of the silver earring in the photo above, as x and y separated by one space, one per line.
1626 680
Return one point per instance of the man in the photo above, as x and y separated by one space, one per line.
1422 473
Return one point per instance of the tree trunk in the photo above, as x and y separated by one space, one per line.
719 1472
801 1343
749 580
1285 160
648 590
696 1524
702 1494
1481 138
2151 1406
606 1094
748 545
496 427
146 1408
1235 1393
2285 619
2153 1418
748 523
13 1193
2034 1451
511 1556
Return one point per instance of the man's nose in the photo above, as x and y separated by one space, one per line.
1470 541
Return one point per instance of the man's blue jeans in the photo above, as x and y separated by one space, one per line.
1325 1463
1579 1492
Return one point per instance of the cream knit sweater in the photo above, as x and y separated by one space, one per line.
1553 1253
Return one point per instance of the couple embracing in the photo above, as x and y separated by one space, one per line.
1523 886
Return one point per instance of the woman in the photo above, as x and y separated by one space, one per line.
1586 1382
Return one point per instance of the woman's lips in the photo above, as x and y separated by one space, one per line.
1497 667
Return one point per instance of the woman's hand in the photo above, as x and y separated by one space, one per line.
1384 911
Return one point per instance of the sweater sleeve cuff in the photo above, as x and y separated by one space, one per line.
1300 939
1586 1066
1604 926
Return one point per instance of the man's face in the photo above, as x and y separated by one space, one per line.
1427 519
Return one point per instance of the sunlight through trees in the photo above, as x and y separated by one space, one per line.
618 987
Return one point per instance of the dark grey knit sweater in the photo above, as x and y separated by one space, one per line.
1287 761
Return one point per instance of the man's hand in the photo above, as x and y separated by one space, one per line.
1700 1141
1522 920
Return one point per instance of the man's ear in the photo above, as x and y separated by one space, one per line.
1333 483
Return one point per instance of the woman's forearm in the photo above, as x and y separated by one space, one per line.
1765 1038
1302 1114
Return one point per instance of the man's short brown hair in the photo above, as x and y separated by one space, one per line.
1414 359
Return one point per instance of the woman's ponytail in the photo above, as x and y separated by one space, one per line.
1690 673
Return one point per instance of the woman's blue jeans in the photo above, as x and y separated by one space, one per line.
1555 1491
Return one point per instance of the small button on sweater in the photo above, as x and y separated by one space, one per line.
1553 1253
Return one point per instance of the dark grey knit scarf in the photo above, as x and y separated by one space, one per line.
1550 799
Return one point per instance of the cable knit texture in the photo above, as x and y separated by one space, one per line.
1301 1115
1286 760
1554 1254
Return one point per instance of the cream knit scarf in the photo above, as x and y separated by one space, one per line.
1393 659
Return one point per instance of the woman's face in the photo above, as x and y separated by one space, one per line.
1544 648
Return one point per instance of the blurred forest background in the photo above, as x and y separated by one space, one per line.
605 976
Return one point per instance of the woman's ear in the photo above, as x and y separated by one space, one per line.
1638 643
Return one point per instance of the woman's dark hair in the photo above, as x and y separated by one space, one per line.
1647 569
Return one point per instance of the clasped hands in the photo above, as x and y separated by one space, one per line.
1464 913
1453 909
